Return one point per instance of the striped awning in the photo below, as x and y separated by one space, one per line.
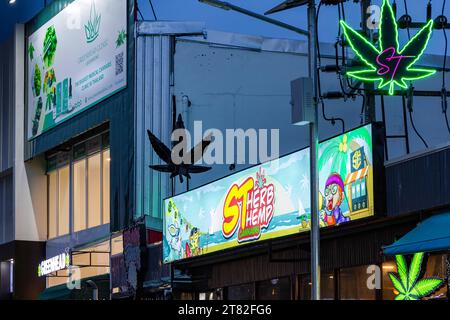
351 177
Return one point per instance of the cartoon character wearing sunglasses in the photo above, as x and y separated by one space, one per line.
334 195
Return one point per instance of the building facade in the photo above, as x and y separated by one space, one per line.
88 213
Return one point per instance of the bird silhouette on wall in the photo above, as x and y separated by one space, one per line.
182 169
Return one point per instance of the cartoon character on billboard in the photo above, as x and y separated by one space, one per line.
192 246
334 196
173 236
175 239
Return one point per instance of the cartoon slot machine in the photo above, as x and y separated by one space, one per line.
357 182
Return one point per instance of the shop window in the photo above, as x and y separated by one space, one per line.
79 195
436 266
353 284
52 204
242 292
59 202
94 189
91 261
84 174
274 289
388 287
106 157
327 286
211 295
6 279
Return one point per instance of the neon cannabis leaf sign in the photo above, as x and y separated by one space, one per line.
387 64
407 283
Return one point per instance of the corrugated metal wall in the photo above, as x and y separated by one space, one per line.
6 104
153 112
6 207
421 183
6 140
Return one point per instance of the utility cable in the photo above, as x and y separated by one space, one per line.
319 87
410 109
153 10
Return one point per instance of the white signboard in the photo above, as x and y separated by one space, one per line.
75 60
54 264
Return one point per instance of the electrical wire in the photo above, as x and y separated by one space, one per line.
406 12
319 87
139 11
410 110
153 10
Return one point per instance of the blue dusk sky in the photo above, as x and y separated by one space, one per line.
217 19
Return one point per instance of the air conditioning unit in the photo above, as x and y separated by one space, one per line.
302 106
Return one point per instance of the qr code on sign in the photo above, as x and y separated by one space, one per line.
119 63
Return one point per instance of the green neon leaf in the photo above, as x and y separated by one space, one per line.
401 296
402 270
417 45
388 27
393 67
397 283
359 45
426 286
366 75
415 74
415 267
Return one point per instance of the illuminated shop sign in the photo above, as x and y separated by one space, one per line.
272 200
57 263
75 60
409 283
387 64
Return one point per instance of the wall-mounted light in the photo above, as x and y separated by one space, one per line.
11 1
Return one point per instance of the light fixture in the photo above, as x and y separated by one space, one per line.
217 4
228 6
11 1
288 4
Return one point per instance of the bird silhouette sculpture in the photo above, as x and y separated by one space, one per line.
184 168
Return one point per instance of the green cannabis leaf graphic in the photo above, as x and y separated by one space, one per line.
31 51
389 65
407 284
50 43
92 28
121 38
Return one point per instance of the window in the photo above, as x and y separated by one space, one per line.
6 279
327 285
79 195
91 261
106 173
80 177
242 292
274 289
353 284
94 189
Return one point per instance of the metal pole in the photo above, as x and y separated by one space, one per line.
229 6
314 144
369 108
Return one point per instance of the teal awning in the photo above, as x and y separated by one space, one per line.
432 234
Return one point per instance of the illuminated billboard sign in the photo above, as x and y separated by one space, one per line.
56 263
389 65
75 60
272 200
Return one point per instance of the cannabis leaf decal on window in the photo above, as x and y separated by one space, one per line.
407 283
388 64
